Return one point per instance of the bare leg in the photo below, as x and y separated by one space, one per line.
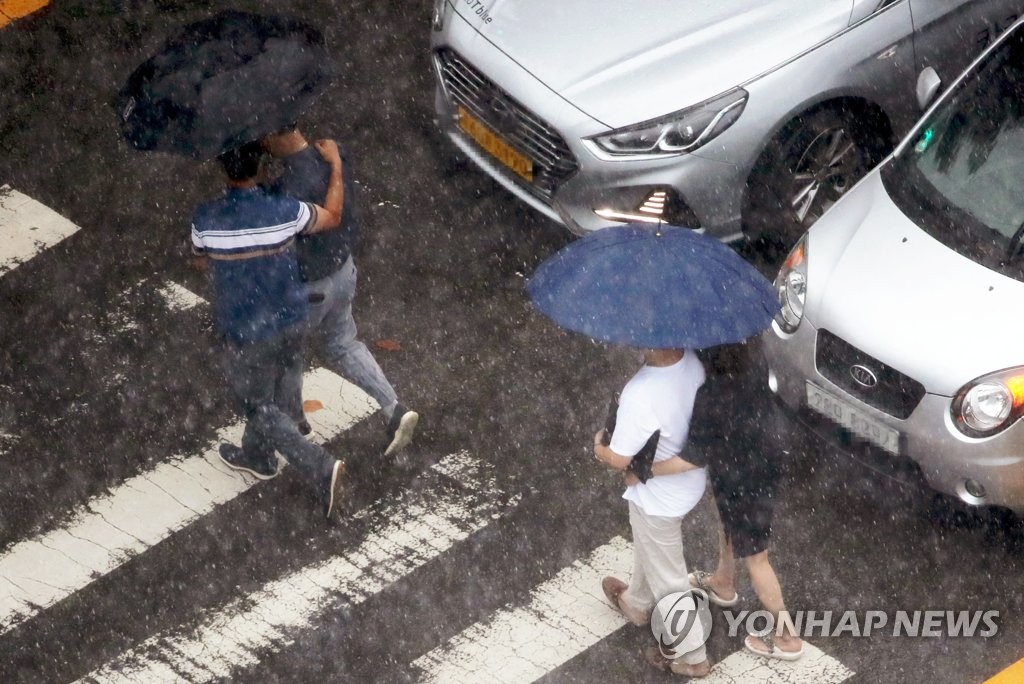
723 579
769 592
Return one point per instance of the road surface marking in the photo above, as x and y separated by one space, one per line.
814 667
1011 675
568 614
27 228
108 530
417 528
10 10
178 298
565 616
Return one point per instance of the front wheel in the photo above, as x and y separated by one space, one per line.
805 171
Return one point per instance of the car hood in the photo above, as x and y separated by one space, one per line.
622 63
900 295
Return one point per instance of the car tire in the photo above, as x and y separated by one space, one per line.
805 170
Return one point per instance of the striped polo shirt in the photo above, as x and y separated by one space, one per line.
249 237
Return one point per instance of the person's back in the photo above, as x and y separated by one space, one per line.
248 236
731 416
661 398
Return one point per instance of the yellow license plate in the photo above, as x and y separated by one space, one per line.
495 146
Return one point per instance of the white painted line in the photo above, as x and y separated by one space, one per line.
108 530
568 614
178 298
565 616
814 667
27 228
412 531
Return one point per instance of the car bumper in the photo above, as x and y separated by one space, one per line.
707 192
945 458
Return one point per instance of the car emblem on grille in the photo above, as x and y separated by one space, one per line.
863 376
504 116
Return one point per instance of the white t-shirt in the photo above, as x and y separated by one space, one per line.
661 398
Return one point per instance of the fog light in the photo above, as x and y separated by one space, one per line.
974 488
661 205
773 382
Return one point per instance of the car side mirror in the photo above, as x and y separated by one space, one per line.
928 86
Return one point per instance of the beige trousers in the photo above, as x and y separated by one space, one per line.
659 568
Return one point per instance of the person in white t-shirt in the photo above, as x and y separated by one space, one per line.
659 397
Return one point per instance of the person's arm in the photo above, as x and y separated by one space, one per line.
607 456
329 215
672 466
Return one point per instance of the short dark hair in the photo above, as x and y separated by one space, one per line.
243 162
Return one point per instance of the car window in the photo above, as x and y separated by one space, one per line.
961 178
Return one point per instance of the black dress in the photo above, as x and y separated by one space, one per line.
730 435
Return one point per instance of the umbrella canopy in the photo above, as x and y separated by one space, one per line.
655 287
223 81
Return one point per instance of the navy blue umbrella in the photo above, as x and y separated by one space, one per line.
224 81
654 287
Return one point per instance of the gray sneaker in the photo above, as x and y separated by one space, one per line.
401 428
236 459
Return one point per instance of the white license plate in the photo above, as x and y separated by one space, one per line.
851 418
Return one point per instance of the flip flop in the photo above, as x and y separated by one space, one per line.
773 650
698 579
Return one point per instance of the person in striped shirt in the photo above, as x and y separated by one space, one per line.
247 239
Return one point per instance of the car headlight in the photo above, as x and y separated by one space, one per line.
675 133
437 19
791 284
989 404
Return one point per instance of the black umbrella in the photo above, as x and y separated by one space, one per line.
224 81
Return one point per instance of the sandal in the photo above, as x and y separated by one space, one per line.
699 580
655 658
773 650
613 589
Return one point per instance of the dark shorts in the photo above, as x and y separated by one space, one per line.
745 506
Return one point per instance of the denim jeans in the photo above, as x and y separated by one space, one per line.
264 376
330 324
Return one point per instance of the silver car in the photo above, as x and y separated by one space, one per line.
901 321
733 116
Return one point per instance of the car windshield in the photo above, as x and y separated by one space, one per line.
962 177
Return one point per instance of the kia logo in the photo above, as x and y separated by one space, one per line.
863 376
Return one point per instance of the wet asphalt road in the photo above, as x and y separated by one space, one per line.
442 266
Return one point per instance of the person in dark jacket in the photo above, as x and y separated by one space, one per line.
327 267
246 239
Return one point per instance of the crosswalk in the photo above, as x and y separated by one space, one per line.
456 499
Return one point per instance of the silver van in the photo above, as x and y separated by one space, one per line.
733 116
901 323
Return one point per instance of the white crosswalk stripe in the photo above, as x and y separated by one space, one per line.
565 616
568 614
108 530
411 532
27 228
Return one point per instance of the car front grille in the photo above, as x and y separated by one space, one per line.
894 393
526 132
